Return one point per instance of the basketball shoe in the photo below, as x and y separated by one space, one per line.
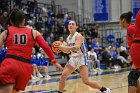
107 90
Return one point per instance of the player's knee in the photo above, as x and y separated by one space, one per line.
133 78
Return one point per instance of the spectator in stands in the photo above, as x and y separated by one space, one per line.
18 3
30 24
3 19
106 58
4 4
94 31
49 12
39 63
52 24
33 5
116 43
38 22
115 60
123 51
36 74
93 56
49 40
43 68
90 60
24 2
95 45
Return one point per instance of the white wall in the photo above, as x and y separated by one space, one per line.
88 9
114 10
126 6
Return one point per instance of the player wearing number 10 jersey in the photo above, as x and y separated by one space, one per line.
15 69
18 40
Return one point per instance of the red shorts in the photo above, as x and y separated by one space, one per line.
135 54
16 72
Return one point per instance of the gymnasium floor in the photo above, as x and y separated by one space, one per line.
115 79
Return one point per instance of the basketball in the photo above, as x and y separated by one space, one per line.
55 44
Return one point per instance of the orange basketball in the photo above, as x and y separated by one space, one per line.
55 44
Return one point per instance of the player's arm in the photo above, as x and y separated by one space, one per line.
79 41
68 51
2 38
45 46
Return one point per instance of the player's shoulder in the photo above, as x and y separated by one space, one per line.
131 27
4 33
79 35
35 31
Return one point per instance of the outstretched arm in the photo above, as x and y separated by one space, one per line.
45 46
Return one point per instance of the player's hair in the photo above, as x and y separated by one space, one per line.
16 17
127 16
74 21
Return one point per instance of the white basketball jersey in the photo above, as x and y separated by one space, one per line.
71 42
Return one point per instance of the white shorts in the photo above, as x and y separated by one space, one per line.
78 61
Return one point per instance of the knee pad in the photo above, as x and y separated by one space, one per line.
133 78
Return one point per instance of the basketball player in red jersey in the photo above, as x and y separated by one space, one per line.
15 70
133 38
125 22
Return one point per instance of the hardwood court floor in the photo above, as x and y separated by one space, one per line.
116 80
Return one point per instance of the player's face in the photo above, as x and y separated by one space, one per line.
72 26
122 23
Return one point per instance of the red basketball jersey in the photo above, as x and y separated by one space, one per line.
137 35
130 33
20 42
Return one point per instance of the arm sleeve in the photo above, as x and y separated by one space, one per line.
45 46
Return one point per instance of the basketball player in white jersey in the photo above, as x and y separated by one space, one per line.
77 59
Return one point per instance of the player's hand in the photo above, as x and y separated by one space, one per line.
56 44
59 67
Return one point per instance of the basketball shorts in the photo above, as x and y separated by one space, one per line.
133 77
16 72
77 61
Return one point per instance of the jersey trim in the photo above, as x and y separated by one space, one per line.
18 58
